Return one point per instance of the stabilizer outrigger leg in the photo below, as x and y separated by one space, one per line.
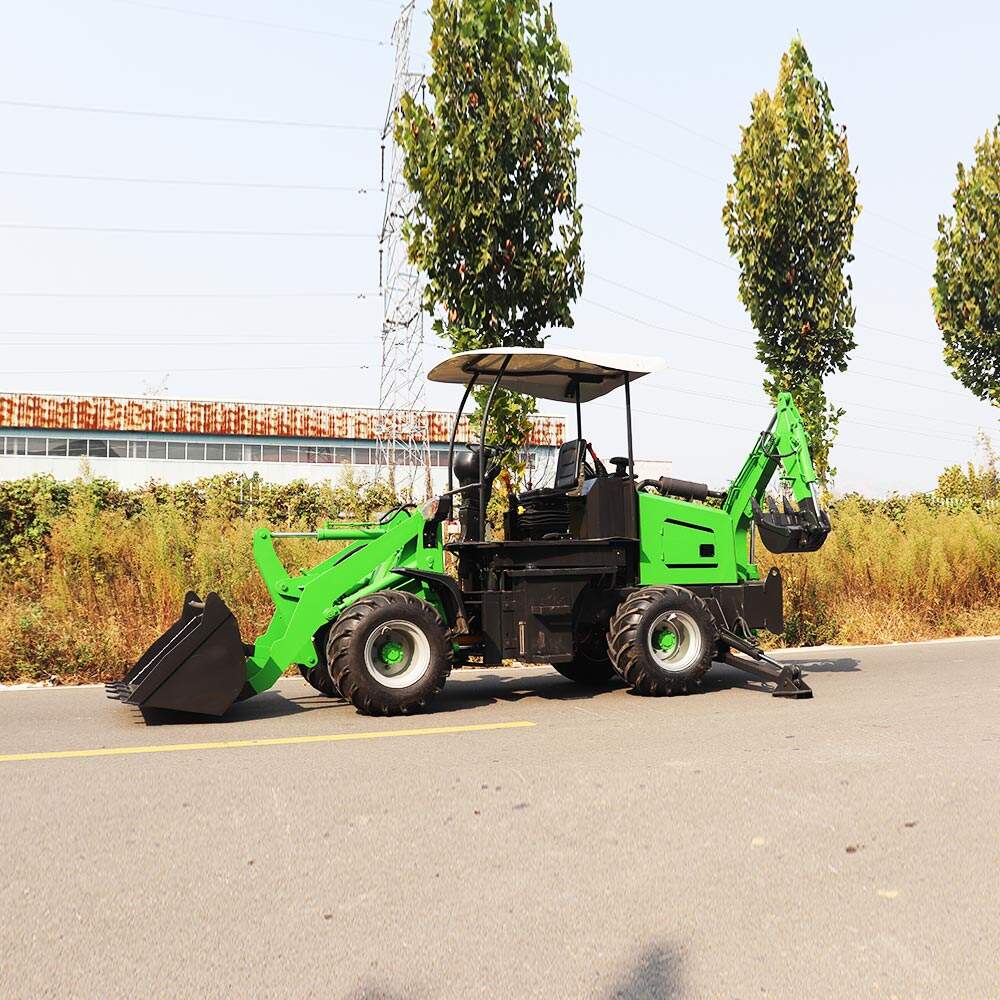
787 677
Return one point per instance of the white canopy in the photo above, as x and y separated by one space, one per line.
546 372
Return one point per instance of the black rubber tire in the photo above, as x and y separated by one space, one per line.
627 640
591 667
345 654
318 677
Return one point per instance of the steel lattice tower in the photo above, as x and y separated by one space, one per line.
402 428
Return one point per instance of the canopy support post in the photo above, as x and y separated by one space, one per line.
628 426
579 418
482 449
454 432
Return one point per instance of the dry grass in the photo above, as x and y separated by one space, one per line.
921 574
106 582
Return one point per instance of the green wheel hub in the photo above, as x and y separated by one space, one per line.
666 641
392 653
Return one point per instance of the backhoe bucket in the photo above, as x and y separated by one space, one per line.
197 665
791 530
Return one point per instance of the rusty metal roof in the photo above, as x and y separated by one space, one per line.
30 411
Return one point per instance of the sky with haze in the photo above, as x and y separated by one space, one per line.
276 315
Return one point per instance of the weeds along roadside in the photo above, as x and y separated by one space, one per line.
90 573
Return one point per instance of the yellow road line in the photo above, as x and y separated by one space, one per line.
270 742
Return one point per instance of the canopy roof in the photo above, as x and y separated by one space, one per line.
546 373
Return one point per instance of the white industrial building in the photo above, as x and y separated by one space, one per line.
132 441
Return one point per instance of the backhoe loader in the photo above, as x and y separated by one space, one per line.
600 575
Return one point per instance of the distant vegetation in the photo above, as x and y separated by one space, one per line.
90 574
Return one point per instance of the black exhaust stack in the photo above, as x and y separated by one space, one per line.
198 665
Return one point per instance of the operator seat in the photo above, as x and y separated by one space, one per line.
544 512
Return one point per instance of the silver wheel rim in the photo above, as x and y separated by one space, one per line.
397 654
674 641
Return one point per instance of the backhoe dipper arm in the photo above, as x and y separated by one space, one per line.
784 442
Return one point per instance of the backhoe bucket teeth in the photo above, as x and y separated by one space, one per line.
198 665
790 530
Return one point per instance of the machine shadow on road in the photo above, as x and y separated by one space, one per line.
479 689
655 973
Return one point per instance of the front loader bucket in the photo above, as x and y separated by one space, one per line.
197 665
791 530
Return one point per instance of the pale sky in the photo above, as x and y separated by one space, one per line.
274 316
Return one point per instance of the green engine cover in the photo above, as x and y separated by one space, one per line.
685 543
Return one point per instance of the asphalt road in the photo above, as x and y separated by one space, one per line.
725 844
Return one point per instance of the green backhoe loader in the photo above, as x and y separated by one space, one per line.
599 575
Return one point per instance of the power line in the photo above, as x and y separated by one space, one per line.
177 116
190 295
656 156
715 377
250 21
257 185
669 305
893 256
137 340
660 237
736 427
715 142
170 370
859 423
727 326
655 114
184 232
665 329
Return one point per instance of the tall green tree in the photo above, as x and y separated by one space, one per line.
492 163
789 216
966 292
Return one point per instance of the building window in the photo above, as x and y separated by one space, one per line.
97 448
325 456
15 446
57 447
137 449
213 452
117 449
233 452
36 446
251 452
176 450
157 449
270 453
196 452
307 455
362 456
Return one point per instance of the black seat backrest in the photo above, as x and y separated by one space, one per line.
568 464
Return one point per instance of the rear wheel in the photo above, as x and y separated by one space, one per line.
662 640
388 653
591 666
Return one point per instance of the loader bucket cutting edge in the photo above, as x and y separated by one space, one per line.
198 665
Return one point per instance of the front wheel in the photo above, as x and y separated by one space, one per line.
662 640
388 653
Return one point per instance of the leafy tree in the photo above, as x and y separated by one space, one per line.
492 164
789 216
966 292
